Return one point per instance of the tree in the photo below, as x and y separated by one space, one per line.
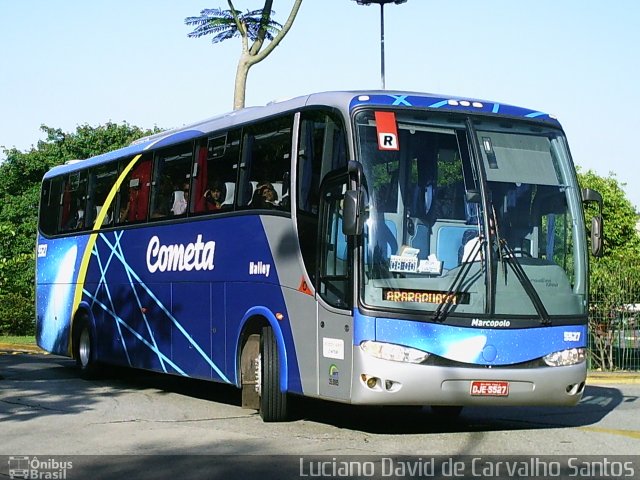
614 279
20 177
619 215
256 26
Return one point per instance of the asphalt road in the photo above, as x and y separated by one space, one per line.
47 410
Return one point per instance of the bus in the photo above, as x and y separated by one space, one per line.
369 248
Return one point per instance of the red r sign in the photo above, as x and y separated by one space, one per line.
387 131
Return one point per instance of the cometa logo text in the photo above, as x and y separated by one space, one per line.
180 257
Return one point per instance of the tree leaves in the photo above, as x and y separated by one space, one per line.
223 26
619 215
20 177
255 26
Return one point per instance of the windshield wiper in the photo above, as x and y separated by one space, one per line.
522 277
445 306
506 256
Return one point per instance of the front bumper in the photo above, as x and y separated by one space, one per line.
414 384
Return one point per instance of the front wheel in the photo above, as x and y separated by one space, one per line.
273 402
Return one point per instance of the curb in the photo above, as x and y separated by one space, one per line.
602 378
17 348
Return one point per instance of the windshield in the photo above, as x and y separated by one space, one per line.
480 220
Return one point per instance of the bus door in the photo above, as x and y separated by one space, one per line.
335 320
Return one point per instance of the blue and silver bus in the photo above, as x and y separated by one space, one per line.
372 248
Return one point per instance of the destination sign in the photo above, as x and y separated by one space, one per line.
424 296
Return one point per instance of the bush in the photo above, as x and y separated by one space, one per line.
17 314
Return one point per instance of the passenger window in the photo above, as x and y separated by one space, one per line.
134 192
171 186
101 180
265 166
216 173
50 203
74 203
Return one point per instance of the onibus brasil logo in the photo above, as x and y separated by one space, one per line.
35 468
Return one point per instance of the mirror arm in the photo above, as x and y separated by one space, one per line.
356 173
589 195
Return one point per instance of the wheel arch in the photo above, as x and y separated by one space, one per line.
252 323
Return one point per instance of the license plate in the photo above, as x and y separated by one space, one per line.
490 389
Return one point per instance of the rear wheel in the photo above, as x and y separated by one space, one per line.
85 350
273 402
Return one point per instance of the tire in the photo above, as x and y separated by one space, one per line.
85 350
447 411
273 402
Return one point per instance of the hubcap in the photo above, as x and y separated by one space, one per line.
84 347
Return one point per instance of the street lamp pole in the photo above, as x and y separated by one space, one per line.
382 3
382 44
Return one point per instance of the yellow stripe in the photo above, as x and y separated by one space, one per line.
84 265
625 433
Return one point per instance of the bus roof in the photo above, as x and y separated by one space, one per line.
337 99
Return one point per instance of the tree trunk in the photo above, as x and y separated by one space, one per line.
241 83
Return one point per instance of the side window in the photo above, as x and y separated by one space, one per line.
265 165
50 203
334 252
74 202
171 186
321 148
101 180
133 199
217 170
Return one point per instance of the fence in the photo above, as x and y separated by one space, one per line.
614 322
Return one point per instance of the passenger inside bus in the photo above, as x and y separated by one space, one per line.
264 196
124 212
162 199
180 201
107 219
76 219
215 195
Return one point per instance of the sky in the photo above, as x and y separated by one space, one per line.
65 63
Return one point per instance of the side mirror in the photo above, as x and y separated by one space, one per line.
353 220
597 228
597 249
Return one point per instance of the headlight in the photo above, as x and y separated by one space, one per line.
565 358
396 353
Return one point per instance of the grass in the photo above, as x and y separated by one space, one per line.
18 340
